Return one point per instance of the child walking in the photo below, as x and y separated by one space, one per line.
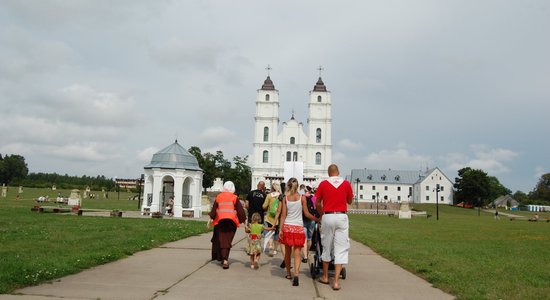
254 248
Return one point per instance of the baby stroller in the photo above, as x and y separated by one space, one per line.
316 266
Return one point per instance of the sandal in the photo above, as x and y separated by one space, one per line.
295 281
323 282
288 276
225 266
336 288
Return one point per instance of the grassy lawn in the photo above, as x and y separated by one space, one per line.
38 247
469 256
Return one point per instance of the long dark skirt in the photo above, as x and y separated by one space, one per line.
222 239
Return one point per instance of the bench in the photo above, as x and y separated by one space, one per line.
112 213
54 209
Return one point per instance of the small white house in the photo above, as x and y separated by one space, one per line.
371 185
173 172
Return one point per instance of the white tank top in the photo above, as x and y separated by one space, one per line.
294 212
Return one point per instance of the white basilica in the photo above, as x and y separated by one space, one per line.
291 145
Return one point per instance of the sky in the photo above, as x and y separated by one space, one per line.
97 87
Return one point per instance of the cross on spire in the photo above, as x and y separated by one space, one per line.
292 115
320 70
268 69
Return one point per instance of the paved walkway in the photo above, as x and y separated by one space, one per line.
182 270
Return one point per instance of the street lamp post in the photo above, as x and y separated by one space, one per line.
437 189
139 191
377 202
357 194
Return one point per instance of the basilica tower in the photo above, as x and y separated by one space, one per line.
319 154
278 144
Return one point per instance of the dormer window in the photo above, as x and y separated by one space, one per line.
383 177
266 97
397 178
319 98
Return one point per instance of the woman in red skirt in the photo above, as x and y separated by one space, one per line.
292 234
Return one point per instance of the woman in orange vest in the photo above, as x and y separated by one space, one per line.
226 215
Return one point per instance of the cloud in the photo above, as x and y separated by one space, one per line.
490 160
217 135
397 159
180 54
347 144
84 105
146 154
27 54
84 152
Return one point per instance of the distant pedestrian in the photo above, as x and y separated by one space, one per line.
333 196
226 215
255 200
496 215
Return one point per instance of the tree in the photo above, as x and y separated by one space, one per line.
472 185
13 168
215 165
521 197
241 175
542 190
496 189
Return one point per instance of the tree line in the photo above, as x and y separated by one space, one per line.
14 171
475 187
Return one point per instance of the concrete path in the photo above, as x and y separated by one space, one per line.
182 270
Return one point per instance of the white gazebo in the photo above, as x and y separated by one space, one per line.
173 172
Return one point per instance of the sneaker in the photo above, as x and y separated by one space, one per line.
304 260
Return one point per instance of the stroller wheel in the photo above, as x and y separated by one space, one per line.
343 273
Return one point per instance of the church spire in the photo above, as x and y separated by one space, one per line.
320 85
268 84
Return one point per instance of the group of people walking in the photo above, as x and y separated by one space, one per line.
288 219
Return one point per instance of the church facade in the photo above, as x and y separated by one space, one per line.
291 144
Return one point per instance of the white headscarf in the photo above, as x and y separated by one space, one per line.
228 186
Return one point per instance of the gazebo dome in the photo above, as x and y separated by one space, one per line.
174 157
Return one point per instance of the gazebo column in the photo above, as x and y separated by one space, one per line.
147 189
178 192
196 189
157 189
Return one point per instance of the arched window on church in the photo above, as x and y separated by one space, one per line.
266 134
318 158
292 141
295 156
288 156
266 97
266 157
318 135
319 98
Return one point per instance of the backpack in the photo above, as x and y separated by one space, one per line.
311 207
273 207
